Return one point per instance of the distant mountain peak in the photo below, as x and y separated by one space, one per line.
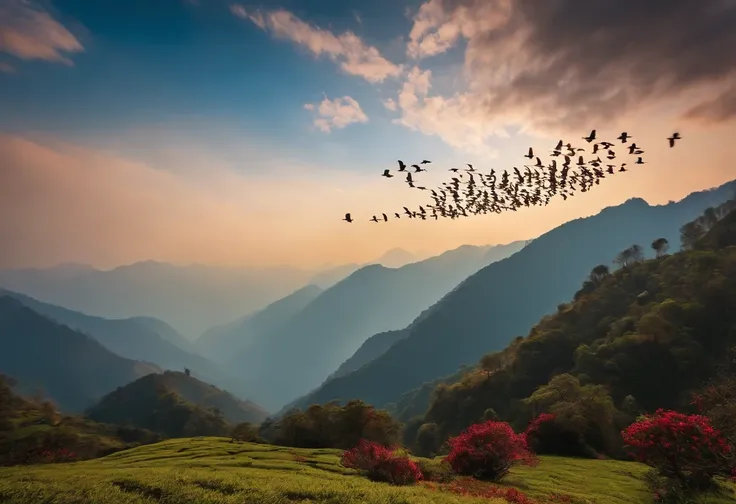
396 257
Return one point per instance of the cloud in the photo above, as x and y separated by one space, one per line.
390 104
337 113
457 120
348 50
570 63
29 32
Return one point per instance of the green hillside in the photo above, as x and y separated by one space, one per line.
29 427
215 471
643 337
175 405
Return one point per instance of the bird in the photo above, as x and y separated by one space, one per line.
639 160
385 217
402 166
455 170
530 154
623 137
675 136
417 168
348 218
425 162
590 137
386 173
397 215
374 219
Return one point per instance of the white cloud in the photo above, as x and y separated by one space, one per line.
337 113
29 32
390 104
348 50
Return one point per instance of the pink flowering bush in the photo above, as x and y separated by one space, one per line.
488 451
381 463
680 447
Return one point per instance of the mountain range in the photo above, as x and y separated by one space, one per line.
503 300
299 352
49 358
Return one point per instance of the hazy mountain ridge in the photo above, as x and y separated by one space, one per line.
477 316
70 367
223 342
334 325
189 298
134 338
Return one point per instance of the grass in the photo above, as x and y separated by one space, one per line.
215 471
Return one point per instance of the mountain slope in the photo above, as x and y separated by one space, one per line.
132 338
295 358
221 343
150 403
653 331
71 368
189 389
505 299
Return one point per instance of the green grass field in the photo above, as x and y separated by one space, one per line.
215 471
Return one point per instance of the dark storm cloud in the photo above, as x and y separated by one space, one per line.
601 58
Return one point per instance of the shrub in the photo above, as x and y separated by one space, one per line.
488 451
682 448
546 434
438 471
381 463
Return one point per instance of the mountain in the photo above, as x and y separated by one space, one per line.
329 277
189 389
137 338
71 368
190 298
291 359
504 299
154 403
221 343
650 333
396 258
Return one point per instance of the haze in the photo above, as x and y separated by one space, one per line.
206 131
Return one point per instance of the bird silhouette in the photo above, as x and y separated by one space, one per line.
675 136
402 166
590 137
348 218
425 162
385 217
386 174
623 137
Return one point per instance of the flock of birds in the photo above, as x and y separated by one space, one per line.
472 192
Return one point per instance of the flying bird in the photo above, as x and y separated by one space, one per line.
385 217
425 162
348 218
590 137
529 154
623 137
675 136
386 174
402 166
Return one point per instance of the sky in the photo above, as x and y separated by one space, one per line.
238 133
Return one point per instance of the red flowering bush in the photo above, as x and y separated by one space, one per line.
381 463
488 451
685 448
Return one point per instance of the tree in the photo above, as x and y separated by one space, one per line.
187 372
630 255
690 233
598 273
660 246
488 451
428 440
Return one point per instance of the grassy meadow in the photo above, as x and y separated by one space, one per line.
215 471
